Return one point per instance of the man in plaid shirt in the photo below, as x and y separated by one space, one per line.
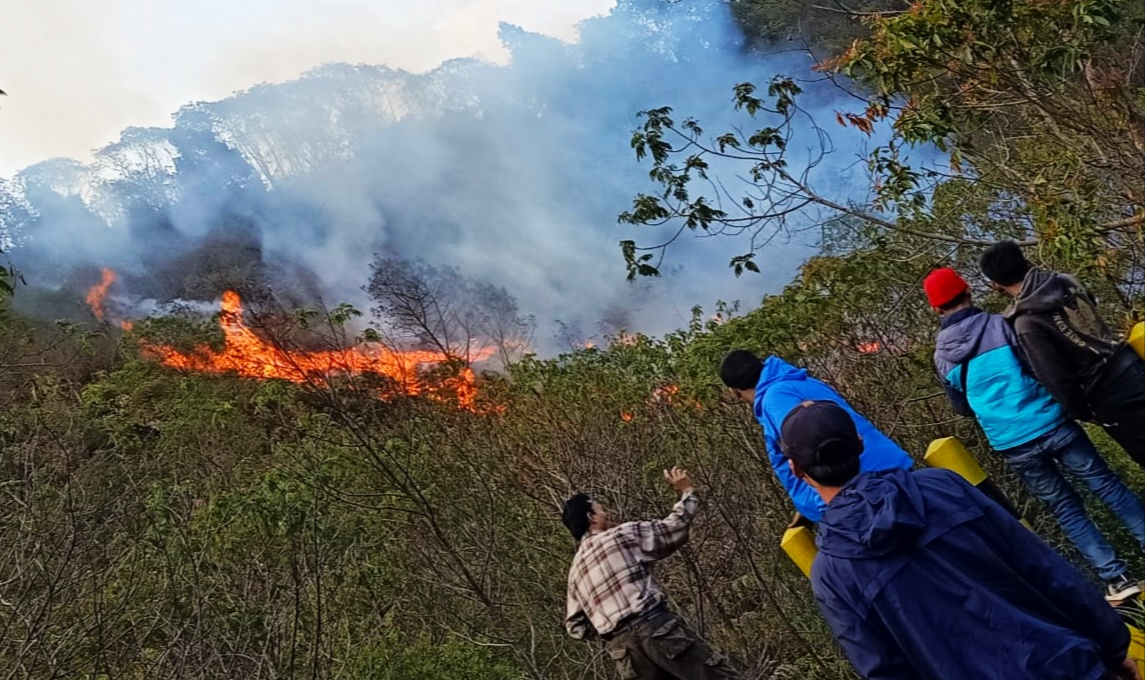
611 593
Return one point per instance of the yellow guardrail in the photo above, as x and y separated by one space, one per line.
1137 648
799 544
948 453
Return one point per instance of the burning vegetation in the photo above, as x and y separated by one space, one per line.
249 355
97 294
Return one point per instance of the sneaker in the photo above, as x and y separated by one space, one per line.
1121 588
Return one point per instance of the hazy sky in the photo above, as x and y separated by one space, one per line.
79 71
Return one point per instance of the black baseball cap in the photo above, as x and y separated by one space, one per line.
819 433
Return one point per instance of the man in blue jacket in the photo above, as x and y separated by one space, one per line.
774 387
981 368
922 577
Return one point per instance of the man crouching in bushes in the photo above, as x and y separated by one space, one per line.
612 595
922 577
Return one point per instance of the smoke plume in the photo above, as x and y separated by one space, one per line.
514 174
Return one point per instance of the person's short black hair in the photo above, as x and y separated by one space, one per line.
575 515
834 474
741 369
962 299
1004 263
822 438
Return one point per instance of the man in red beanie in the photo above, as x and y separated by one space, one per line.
984 375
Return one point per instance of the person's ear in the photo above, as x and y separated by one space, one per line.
796 470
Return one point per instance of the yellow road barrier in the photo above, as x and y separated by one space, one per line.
1137 339
799 544
1137 648
950 454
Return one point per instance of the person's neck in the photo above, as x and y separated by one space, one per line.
959 308
828 493
1013 290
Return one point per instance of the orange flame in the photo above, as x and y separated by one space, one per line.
626 416
249 356
98 292
869 347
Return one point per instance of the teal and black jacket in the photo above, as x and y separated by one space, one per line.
985 375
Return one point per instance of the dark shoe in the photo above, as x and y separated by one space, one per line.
1121 588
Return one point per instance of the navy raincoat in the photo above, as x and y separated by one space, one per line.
921 577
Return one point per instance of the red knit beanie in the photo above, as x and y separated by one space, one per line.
943 285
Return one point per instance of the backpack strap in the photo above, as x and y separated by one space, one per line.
965 366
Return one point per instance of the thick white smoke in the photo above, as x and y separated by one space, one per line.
514 174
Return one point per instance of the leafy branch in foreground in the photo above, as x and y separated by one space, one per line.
1039 110
772 191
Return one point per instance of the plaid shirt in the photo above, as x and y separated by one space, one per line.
611 574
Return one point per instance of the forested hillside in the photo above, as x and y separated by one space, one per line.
176 518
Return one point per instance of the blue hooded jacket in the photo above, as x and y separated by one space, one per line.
782 387
921 577
1011 405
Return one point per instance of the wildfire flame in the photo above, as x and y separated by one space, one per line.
869 347
97 293
248 355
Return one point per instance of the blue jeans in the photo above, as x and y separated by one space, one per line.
1040 464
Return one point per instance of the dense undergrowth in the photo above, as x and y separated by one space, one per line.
166 524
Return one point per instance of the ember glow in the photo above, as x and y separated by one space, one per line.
98 292
245 353
665 393
869 347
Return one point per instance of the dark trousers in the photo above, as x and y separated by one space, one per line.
1118 402
663 647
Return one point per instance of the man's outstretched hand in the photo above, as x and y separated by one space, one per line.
678 478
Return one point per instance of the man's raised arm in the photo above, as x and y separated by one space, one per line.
660 538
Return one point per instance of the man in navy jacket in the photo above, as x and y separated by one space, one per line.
921 577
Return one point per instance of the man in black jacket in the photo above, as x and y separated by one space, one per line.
1093 374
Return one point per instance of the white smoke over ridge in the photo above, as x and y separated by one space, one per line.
514 174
